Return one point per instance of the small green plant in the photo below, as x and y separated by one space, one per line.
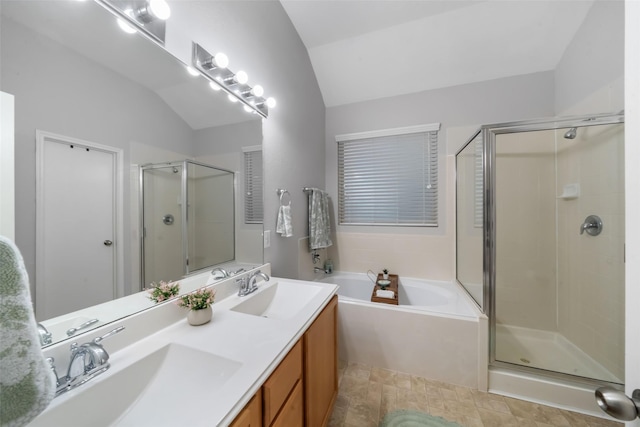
163 291
197 300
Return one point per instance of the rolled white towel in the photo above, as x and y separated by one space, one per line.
382 293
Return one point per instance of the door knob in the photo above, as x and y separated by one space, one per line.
617 404
108 243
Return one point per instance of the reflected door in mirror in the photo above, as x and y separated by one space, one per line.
76 218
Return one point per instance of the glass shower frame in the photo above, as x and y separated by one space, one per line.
489 134
184 224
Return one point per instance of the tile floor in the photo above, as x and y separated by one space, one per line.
366 394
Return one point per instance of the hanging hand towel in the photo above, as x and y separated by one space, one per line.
27 385
283 225
319 222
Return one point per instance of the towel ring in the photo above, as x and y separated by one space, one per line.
281 192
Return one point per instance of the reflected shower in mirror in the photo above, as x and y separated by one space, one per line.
81 81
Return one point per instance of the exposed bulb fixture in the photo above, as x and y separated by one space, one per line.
257 90
125 26
234 84
241 77
220 60
154 9
192 71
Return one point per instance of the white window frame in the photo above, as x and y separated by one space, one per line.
430 170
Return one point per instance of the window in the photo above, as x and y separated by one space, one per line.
389 177
253 210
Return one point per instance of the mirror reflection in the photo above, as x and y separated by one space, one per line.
94 109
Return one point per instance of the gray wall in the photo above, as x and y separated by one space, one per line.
594 60
59 91
259 38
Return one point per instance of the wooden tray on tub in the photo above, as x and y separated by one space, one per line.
393 286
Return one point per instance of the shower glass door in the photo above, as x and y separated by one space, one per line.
558 282
162 223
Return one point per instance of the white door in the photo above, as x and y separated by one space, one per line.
632 196
76 216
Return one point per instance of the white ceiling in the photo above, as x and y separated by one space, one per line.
364 50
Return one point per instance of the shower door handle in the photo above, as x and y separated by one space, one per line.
617 404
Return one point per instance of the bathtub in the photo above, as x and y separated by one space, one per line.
435 332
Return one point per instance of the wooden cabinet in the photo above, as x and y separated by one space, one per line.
281 384
321 366
303 388
251 415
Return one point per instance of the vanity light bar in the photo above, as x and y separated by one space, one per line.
202 60
146 16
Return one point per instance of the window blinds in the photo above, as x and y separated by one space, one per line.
253 210
478 184
390 179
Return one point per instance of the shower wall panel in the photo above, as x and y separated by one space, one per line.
526 230
591 268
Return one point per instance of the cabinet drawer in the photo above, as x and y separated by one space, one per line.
292 413
251 415
280 384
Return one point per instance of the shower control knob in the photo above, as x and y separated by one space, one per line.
617 404
108 243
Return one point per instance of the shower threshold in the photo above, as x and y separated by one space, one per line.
547 350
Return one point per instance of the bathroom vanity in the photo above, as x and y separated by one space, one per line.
267 359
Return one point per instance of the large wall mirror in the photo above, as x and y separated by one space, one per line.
110 130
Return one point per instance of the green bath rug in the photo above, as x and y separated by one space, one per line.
408 418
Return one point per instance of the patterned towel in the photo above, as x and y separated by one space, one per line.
284 225
27 385
319 221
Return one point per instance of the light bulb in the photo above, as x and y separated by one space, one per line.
160 9
125 26
271 102
241 77
214 86
232 98
192 71
257 90
248 109
221 60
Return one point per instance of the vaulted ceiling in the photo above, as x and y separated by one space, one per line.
364 50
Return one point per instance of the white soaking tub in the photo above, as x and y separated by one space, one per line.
435 332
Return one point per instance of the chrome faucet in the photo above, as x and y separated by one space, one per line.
220 270
248 285
87 361
45 336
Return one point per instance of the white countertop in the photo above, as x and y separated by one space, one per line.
258 344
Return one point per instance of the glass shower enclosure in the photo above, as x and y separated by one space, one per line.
540 243
187 219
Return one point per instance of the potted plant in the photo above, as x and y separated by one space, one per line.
385 274
163 291
199 304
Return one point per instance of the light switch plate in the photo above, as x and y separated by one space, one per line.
267 238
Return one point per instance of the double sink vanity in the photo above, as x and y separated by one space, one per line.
265 359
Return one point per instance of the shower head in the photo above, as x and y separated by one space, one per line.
570 134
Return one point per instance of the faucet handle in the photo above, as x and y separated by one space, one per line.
108 334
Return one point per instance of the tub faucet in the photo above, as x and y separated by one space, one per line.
45 335
318 270
86 362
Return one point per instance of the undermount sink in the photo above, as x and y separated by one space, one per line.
280 300
137 394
